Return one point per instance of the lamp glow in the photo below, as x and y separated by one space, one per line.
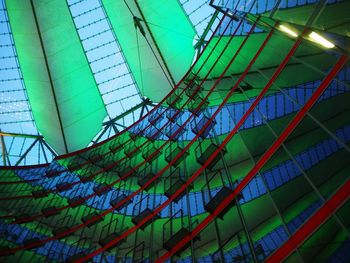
288 31
321 40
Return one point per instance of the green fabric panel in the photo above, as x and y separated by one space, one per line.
173 32
79 102
142 62
34 72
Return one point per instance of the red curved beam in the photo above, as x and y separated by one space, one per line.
191 179
312 224
266 156
117 161
33 217
75 228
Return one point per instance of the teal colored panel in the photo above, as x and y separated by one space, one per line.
79 102
173 32
34 72
143 64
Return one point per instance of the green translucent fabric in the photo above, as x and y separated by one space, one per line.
171 30
73 96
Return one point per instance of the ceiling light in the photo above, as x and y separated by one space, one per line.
321 40
288 31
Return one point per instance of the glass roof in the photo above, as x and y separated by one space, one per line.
225 169
200 14
111 72
15 113
106 60
115 82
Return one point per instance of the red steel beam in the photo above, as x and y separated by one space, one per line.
75 228
312 224
33 217
266 156
192 178
136 148
182 126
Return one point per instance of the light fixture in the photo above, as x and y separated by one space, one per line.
321 40
288 30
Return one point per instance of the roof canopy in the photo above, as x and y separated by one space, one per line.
61 89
